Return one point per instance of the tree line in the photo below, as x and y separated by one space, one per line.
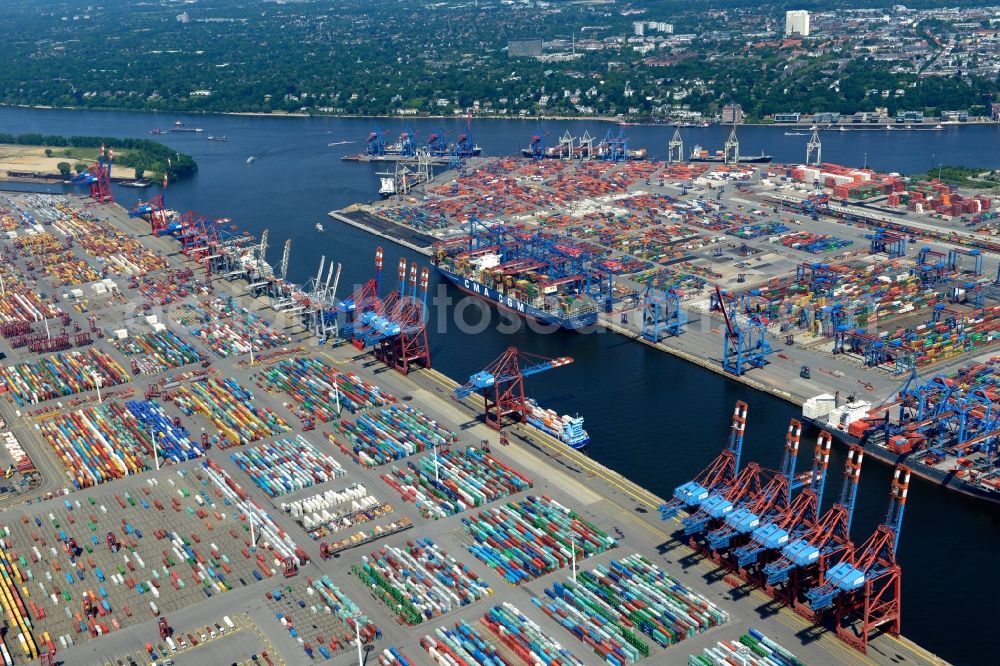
143 155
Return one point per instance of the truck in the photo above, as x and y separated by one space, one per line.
163 627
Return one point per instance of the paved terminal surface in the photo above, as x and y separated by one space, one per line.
196 512
734 263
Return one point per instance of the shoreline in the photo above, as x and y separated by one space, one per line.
927 125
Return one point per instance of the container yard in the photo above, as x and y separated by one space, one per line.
753 649
827 286
534 537
421 581
213 513
287 465
452 482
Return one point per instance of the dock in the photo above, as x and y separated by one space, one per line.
207 529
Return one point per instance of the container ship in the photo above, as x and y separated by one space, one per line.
600 152
612 148
699 154
855 423
505 274
567 429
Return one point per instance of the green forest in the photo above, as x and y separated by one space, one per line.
152 158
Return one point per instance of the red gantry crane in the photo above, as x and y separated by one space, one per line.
775 497
719 474
863 589
806 558
154 211
800 516
502 384
98 178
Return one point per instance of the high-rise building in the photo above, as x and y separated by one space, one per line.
639 28
732 114
524 48
797 23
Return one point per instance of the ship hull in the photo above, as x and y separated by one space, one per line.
758 159
519 308
938 477
538 425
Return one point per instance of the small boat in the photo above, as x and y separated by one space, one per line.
939 126
889 128
217 137
136 183
909 127
795 134
340 143
319 227
251 159
178 123
156 130
844 129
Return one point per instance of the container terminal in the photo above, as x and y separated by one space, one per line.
869 299
189 464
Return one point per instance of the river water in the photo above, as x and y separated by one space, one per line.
652 417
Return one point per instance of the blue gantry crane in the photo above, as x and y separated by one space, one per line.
614 148
465 145
375 147
662 314
745 345
720 473
820 277
865 584
437 144
932 266
887 242
536 147
502 384
408 142
955 266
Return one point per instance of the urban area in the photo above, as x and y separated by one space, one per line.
643 59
